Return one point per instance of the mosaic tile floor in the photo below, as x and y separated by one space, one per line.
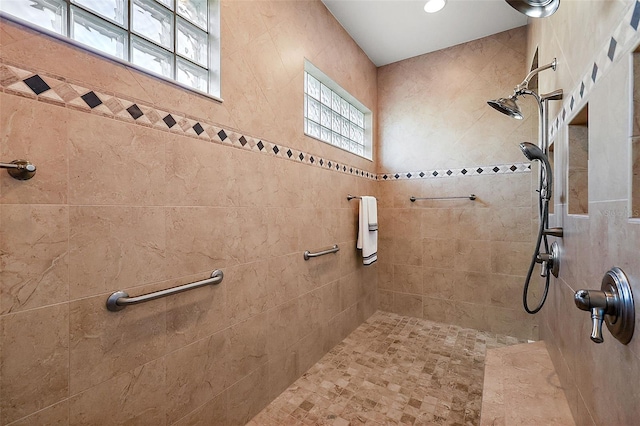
391 370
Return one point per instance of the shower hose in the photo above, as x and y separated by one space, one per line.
543 207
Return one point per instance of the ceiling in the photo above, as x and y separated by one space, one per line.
392 30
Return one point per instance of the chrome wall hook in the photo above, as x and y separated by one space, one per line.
19 169
613 304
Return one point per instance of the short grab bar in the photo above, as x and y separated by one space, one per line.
308 255
470 196
120 299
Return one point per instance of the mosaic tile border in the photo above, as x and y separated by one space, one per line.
464 171
622 41
59 91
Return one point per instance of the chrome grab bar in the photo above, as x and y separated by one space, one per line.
308 255
470 196
19 169
120 299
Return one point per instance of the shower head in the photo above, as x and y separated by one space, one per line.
535 8
507 106
533 152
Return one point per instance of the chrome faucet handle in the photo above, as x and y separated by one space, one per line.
612 304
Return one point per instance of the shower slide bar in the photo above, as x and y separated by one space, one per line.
470 196
308 255
120 300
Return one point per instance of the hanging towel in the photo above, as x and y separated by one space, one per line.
368 237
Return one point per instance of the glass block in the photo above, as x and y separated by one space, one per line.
344 143
359 136
360 119
313 110
192 42
48 14
353 147
194 11
360 150
344 108
98 33
153 22
168 3
336 122
325 134
114 10
192 75
336 139
352 132
344 128
335 102
353 114
325 95
325 118
314 129
151 57
313 87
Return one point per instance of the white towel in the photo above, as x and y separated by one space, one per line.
368 238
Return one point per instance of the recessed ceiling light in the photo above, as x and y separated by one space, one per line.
433 6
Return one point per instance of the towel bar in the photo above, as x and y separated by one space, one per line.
120 300
351 197
308 255
470 196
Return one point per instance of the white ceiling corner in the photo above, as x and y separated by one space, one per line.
392 30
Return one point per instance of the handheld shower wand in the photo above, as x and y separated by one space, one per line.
509 106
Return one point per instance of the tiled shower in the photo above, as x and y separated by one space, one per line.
142 185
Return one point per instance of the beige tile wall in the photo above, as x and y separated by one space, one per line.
599 380
456 261
119 206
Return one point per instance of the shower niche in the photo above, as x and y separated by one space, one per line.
578 154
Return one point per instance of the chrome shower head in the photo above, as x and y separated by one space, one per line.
507 106
535 8
533 152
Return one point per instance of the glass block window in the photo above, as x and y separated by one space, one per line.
334 116
178 40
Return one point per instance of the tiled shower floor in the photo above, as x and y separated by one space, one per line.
391 370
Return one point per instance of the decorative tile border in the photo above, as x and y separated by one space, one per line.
465 171
59 91
623 40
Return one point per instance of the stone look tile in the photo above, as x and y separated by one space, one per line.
34 271
521 386
106 344
34 372
115 246
390 369
135 397
26 124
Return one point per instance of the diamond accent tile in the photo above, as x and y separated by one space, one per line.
275 149
479 170
311 160
169 121
135 111
635 18
242 140
289 153
222 135
37 84
198 129
513 168
582 89
612 48
435 174
421 174
496 169
571 105
449 172
409 175
594 72
301 157
464 171
396 176
260 145
91 99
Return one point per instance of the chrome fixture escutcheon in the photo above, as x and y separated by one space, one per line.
19 169
613 304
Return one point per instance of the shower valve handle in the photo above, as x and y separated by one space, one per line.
600 303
